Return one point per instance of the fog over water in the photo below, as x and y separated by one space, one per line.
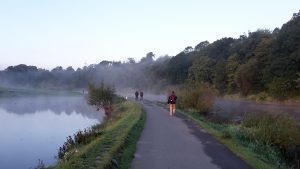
234 108
33 128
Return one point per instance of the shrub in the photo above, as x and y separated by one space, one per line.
102 97
281 88
259 97
273 129
198 96
280 131
263 96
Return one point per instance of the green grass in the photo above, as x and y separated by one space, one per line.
100 153
223 133
127 154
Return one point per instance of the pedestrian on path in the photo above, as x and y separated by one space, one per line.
172 102
136 95
141 95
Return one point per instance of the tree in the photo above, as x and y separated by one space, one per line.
150 55
131 60
202 70
231 66
105 63
281 88
21 68
201 46
188 49
57 69
285 51
220 78
178 68
298 80
245 76
220 48
148 59
70 69
102 97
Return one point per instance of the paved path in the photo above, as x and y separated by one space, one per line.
178 143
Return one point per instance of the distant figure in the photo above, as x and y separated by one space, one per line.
141 95
136 95
172 102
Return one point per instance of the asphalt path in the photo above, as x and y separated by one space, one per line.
175 142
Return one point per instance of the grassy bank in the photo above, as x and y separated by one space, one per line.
257 155
114 148
126 155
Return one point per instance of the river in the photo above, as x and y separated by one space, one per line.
33 128
234 109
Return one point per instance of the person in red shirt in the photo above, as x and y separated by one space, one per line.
172 102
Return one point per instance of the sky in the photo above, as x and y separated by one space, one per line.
50 33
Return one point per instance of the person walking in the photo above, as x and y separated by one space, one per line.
141 95
136 95
172 102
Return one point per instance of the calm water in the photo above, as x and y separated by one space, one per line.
232 108
33 128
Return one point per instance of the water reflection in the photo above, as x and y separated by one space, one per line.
67 104
33 128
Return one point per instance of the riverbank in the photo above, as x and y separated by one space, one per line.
236 138
116 144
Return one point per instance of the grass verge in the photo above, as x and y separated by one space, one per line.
127 120
222 133
126 155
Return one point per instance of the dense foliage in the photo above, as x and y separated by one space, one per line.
260 61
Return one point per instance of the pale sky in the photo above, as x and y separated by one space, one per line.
50 33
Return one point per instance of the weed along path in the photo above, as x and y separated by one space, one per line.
177 143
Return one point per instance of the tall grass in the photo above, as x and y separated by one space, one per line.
279 131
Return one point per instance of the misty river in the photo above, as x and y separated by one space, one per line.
235 109
33 128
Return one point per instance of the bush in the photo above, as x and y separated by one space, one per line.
259 97
273 129
281 88
198 96
102 97
280 131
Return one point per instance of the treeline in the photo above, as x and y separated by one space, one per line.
263 61
146 74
